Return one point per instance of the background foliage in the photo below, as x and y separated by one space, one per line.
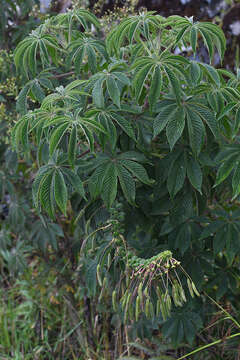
112 165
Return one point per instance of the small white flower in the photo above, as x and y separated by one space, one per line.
235 27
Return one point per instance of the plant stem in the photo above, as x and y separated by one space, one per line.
208 345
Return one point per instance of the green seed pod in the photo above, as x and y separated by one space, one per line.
128 299
190 288
125 315
158 307
195 289
175 295
114 303
151 310
182 293
163 311
159 293
131 312
109 260
126 308
146 291
140 293
168 303
124 299
137 308
147 308
99 275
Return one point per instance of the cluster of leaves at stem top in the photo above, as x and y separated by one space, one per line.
125 117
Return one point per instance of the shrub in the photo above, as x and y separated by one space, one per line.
137 152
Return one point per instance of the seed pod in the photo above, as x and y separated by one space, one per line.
159 293
124 299
137 308
99 275
169 303
128 299
175 295
190 287
109 260
158 307
182 293
130 311
114 303
195 289
126 308
125 315
163 311
146 291
140 293
147 308
151 310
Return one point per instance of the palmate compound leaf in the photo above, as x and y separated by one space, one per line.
50 188
180 326
103 182
132 28
89 47
33 89
82 16
211 34
38 43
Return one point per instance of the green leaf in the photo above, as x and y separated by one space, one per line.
155 88
174 82
127 184
125 125
140 79
113 90
196 131
95 182
175 127
219 241
97 94
193 39
211 73
194 173
75 181
21 104
137 170
176 176
236 181
36 184
166 113
225 169
46 193
60 192
56 136
72 147
213 227
109 186
209 117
